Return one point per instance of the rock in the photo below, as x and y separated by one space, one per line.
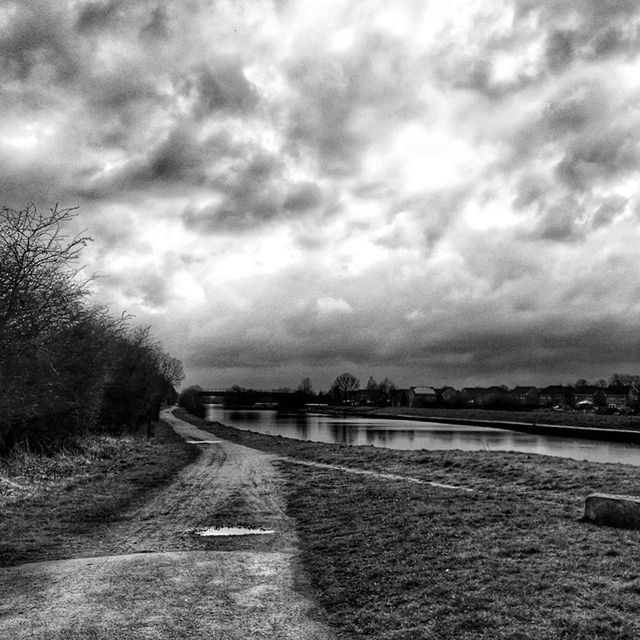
613 510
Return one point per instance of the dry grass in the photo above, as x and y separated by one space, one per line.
512 560
394 560
538 416
51 506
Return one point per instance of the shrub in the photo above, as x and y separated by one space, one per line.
191 400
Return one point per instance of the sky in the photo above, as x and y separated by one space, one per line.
437 192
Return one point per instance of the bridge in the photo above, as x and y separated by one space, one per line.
251 397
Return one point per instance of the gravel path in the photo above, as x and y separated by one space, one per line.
166 582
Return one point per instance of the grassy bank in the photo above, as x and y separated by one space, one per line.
513 559
51 507
386 559
538 416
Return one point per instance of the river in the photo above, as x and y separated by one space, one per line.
412 434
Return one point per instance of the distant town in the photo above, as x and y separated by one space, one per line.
619 395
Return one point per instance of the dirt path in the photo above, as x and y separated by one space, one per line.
160 580
374 474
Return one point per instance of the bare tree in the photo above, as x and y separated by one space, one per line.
344 384
65 362
41 310
624 380
305 387
386 387
38 286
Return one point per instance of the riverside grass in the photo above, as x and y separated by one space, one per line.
512 560
537 416
389 559
54 507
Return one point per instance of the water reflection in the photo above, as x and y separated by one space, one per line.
412 434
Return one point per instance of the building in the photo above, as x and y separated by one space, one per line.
449 396
623 397
556 395
422 397
481 397
524 397
589 394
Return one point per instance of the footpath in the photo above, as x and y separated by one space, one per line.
168 582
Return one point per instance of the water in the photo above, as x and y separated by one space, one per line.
234 531
412 434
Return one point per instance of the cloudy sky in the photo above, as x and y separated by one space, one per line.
438 192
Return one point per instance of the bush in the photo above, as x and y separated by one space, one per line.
66 365
191 400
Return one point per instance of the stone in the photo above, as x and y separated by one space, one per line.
613 510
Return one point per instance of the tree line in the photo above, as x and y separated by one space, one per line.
66 364
340 392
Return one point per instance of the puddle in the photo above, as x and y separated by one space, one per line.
233 531
203 441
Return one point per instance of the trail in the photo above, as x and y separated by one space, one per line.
374 474
162 581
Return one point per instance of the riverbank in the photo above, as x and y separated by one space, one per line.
143 571
511 559
540 422
537 416
385 557
57 507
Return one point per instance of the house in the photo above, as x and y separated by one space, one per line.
524 397
481 397
621 397
422 397
449 396
399 397
589 394
556 396
372 397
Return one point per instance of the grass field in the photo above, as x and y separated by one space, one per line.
510 560
386 559
53 507
539 416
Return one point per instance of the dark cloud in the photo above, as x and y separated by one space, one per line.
609 42
559 221
114 92
560 49
431 214
610 208
255 192
527 344
545 345
181 160
231 215
145 107
598 155
147 286
337 94
221 86
158 25
37 40
40 182
573 110
302 197
320 122
178 158
97 15
584 29
155 290
477 75
592 14
532 189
